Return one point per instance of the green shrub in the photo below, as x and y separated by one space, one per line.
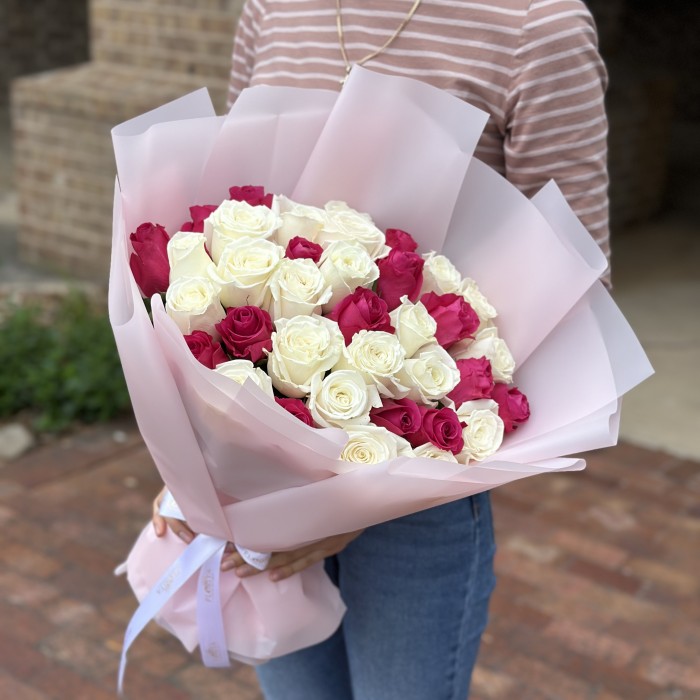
61 366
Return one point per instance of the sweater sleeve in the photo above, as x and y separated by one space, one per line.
243 56
557 127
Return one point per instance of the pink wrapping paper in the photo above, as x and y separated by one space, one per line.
243 469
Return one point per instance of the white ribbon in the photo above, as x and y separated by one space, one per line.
204 553
170 509
201 549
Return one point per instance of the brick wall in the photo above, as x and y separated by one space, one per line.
145 53
36 35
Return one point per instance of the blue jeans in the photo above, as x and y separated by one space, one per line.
417 592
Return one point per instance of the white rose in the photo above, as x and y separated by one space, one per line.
298 288
430 375
476 405
193 303
234 220
240 370
440 275
370 444
302 347
346 265
187 255
343 398
415 327
379 357
298 220
483 434
429 451
471 292
487 344
244 270
335 206
350 225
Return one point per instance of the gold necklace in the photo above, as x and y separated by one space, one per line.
341 38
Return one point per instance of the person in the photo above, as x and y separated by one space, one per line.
417 588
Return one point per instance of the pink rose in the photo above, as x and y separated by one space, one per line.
246 332
300 247
440 427
149 261
476 380
206 349
297 408
198 213
361 310
400 274
253 194
513 407
396 238
402 417
455 317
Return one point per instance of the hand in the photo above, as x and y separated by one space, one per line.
160 524
284 564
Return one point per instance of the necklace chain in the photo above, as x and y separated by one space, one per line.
369 56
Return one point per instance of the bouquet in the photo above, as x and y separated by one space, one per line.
413 369
403 382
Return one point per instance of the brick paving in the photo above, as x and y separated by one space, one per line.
597 596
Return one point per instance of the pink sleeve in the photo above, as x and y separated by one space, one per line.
557 127
243 56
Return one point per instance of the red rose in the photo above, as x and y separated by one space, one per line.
476 380
253 194
198 214
206 349
361 310
400 274
149 261
455 317
297 408
440 427
300 247
402 417
513 407
396 238
246 332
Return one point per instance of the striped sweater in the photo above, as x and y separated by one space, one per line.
533 65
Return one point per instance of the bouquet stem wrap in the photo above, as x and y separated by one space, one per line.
244 470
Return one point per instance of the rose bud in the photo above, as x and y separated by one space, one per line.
253 194
297 408
513 407
246 332
300 247
206 349
149 261
396 238
440 427
402 417
455 317
361 310
198 213
400 274
476 380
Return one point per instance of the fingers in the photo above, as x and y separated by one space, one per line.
181 529
279 573
285 564
161 524
282 564
233 560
